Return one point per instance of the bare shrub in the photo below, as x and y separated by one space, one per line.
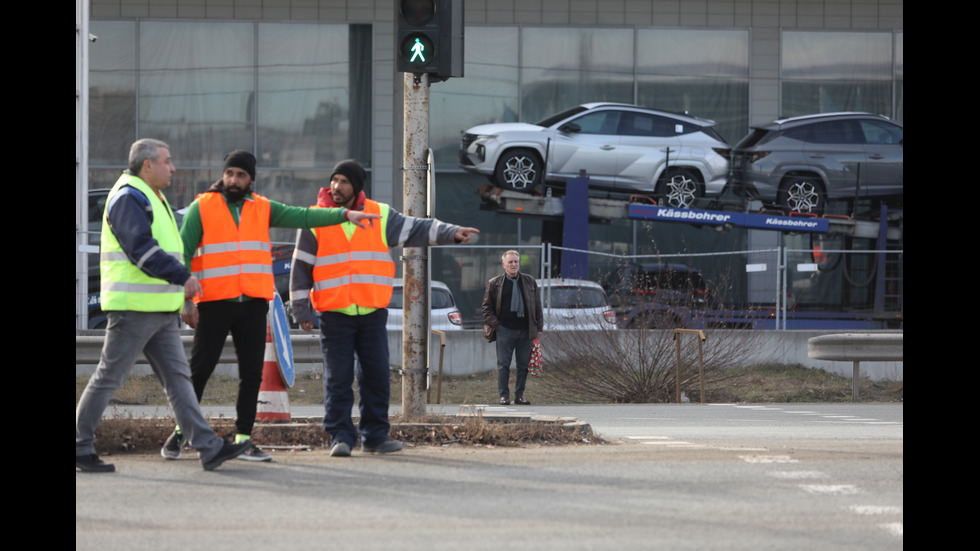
640 365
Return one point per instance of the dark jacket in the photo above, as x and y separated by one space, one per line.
532 298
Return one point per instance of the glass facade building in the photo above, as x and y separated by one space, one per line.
303 92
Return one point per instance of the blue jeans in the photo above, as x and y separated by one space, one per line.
341 336
155 335
512 344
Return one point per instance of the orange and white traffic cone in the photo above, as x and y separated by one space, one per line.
273 398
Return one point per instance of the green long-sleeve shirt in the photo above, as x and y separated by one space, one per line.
280 216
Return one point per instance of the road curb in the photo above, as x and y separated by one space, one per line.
147 434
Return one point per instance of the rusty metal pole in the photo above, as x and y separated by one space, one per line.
677 340
415 330
677 365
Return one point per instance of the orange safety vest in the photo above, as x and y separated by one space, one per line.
353 270
233 259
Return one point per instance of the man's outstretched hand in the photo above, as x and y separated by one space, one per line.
464 234
358 218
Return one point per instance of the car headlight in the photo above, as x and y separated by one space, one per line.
469 139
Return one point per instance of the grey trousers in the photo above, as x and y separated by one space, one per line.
155 335
516 345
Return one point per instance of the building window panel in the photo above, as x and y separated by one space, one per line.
489 93
562 68
197 87
304 93
701 72
112 91
824 72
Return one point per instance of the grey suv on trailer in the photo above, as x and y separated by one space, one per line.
799 163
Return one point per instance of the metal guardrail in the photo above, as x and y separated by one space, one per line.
857 348
466 353
306 348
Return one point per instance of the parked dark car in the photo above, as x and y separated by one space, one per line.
624 148
800 163
656 295
96 206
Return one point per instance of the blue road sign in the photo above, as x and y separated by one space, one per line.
281 340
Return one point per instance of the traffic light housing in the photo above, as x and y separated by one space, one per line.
429 37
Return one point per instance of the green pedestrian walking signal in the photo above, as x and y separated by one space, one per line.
418 51
429 38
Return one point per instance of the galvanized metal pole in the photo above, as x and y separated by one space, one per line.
415 331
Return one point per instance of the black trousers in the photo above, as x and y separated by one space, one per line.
247 322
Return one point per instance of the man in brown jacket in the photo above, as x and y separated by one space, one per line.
512 307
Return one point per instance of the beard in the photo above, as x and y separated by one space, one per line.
341 200
236 195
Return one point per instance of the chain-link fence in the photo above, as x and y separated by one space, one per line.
776 288
773 288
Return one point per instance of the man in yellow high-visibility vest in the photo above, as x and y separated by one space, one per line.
143 284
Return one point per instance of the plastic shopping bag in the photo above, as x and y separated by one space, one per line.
534 367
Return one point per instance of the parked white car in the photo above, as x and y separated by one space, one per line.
444 315
575 304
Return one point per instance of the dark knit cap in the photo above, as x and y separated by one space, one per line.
242 159
353 171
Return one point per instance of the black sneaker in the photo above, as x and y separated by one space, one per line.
92 464
388 446
254 453
171 448
227 451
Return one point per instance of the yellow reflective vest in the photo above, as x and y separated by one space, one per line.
123 285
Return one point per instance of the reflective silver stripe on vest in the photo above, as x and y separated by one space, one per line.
233 270
331 259
354 255
119 256
406 229
146 255
299 294
125 287
304 256
363 279
232 246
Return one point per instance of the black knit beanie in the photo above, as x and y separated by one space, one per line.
354 173
241 159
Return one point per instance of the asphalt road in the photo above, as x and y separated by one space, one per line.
811 476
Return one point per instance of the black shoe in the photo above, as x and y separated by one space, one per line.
504 401
255 453
92 464
519 399
171 448
388 446
227 451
